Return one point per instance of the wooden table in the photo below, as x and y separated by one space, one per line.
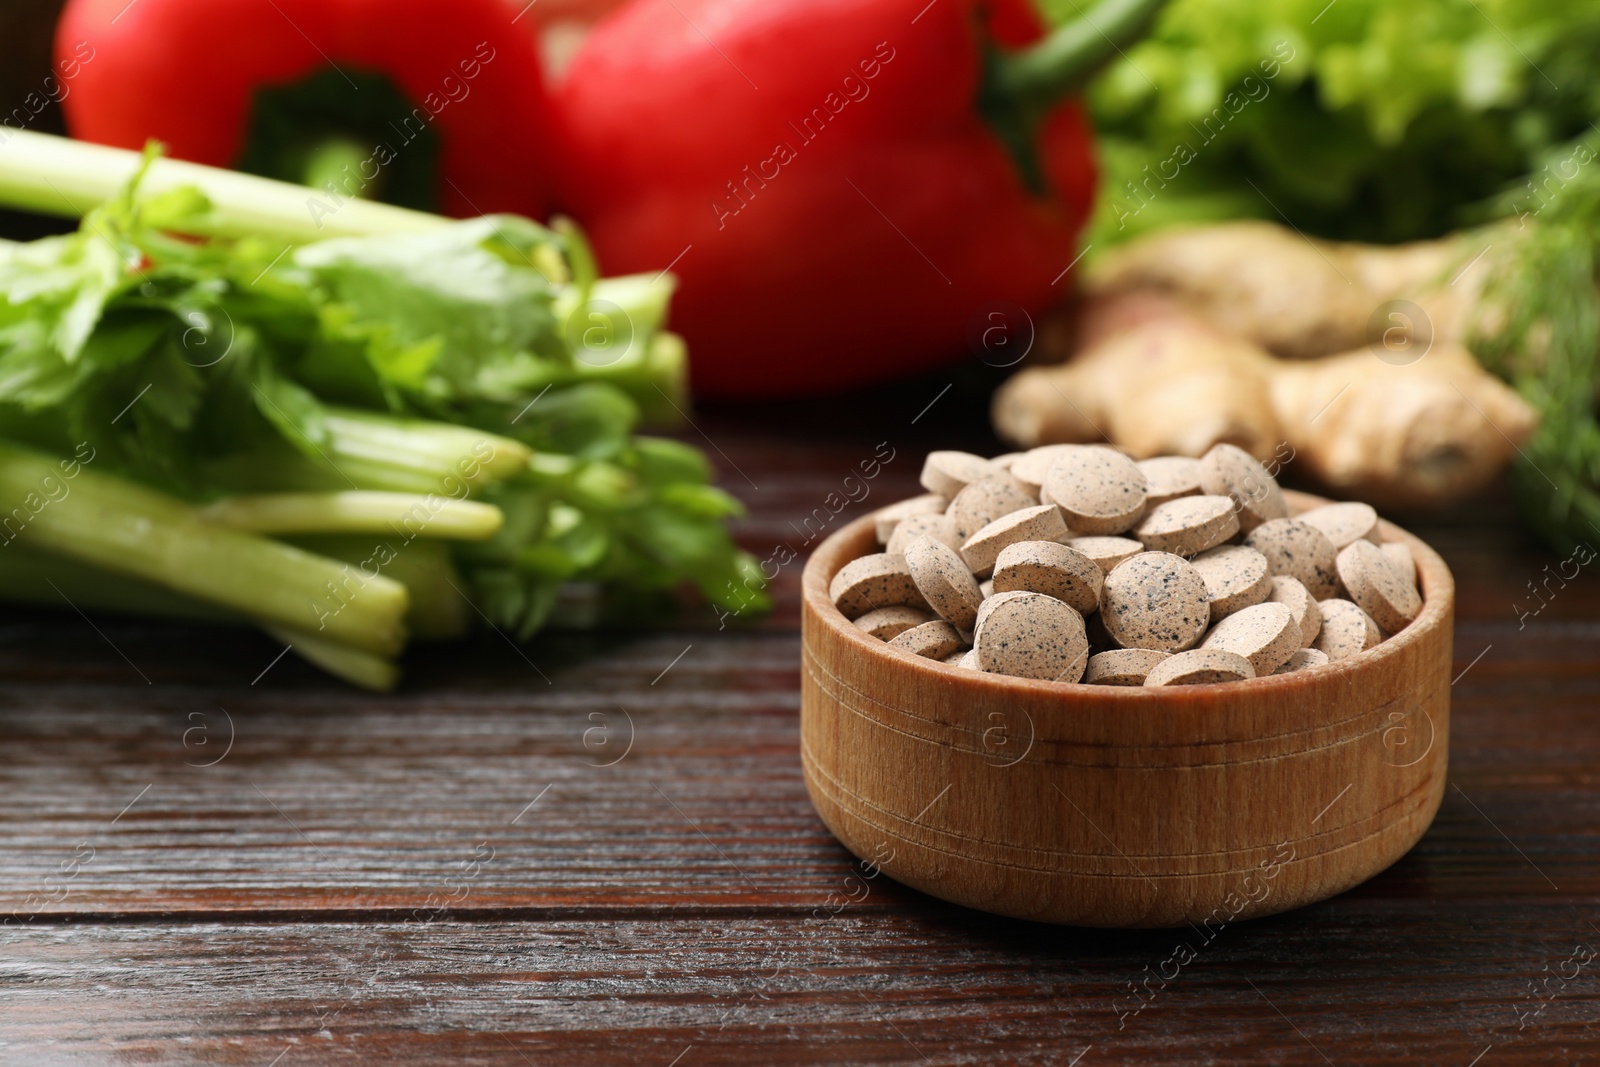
597 849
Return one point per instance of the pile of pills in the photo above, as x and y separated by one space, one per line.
1075 563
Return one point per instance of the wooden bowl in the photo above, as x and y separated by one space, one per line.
1131 807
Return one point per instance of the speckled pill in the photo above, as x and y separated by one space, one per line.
1377 586
1292 595
989 603
888 623
1200 666
985 500
939 527
1051 568
876 581
1298 550
885 519
933 640
1155 600
1014 565
1107 552
944 581
1228 470
1030 635
1040 523
1034 465
1235 576
1188 525
1303 659
1346 630
1265 634
1399 554
1344 523
1122 666
1170 477
949 472
1100 490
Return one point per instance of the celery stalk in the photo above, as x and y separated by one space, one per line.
30 577
379 452
35 578
438 611
470 456
667 362
56 176
127 529
644 298
342 661
357 512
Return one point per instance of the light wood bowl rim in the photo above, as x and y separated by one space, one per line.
1434 581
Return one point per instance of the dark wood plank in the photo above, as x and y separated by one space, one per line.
332 798
1354 982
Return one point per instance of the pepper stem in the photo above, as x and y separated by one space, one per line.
1065 60
334 160
1019 87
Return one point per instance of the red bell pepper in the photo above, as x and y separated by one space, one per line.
201 76
840 185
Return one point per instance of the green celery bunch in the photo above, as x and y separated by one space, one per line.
368 384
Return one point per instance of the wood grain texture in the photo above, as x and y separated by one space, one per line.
1131 807
686 903
1366 982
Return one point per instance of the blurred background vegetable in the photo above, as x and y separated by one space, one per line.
402 101
1384 122
841 186
1162 377
663 139
367 385
1381 122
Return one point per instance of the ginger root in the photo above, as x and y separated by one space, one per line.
1155 379
1422 434
1303 298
